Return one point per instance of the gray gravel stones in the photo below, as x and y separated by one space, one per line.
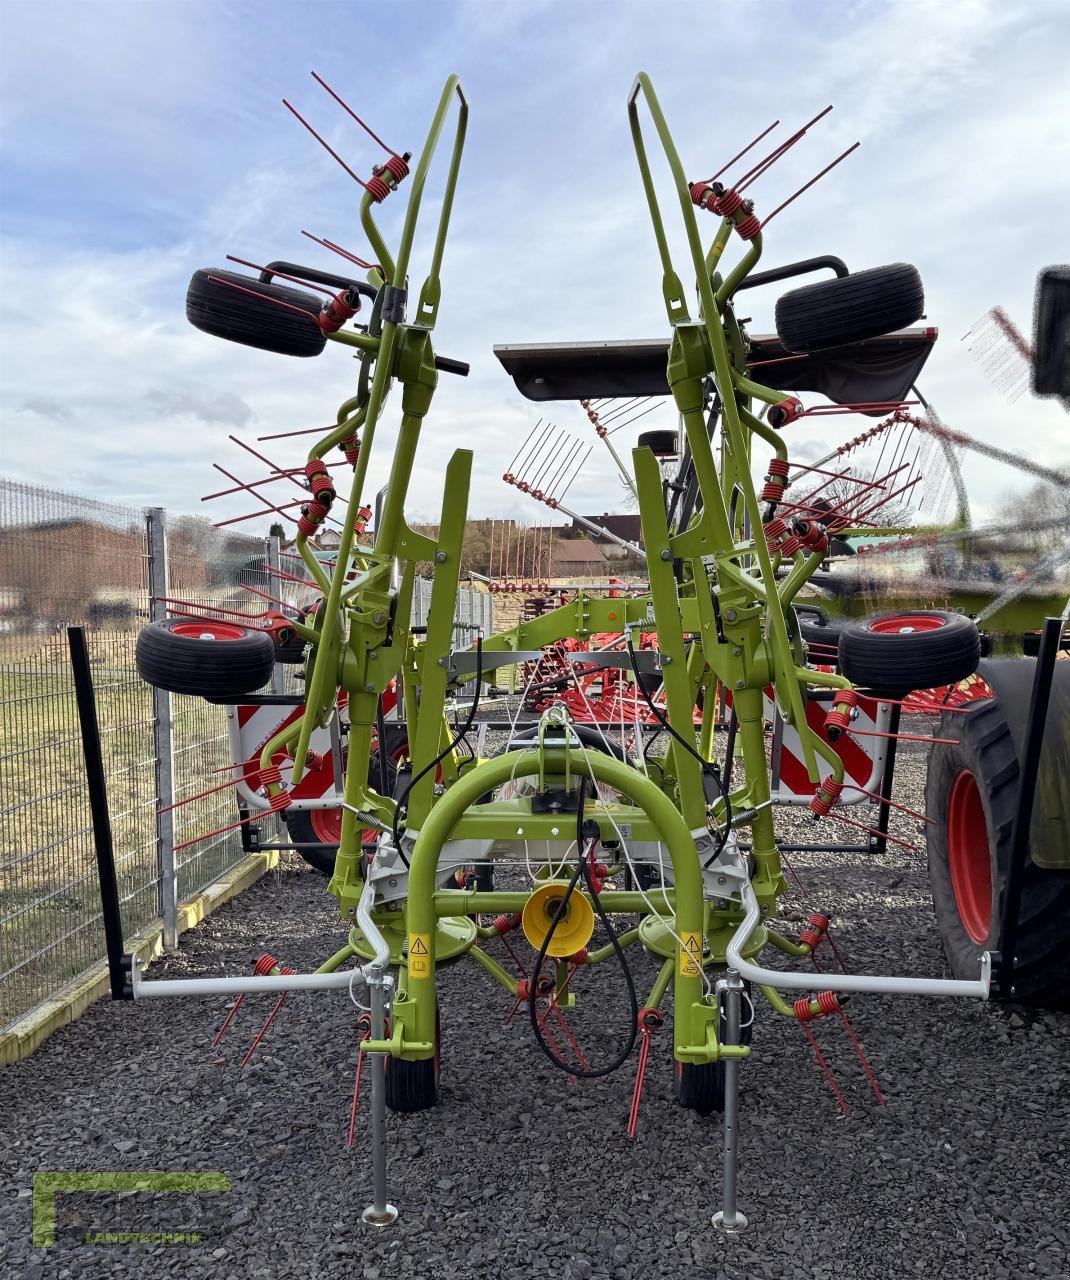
963 1173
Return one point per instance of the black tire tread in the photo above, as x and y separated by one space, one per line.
228 313
851 308
986 747
223 670
895 664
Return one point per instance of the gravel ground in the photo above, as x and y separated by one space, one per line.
519 1173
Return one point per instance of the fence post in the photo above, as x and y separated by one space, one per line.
163 737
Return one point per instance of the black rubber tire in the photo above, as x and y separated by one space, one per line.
413 1086
228 313
985 750
700 1085
663 444
221 669
1051 333
944 649
866 304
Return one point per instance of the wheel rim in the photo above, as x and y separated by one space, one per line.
326 825
967 856
905 624
207 630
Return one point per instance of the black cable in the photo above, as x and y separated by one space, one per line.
709 767
465 730
582 868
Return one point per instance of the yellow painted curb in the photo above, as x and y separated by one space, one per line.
31 1031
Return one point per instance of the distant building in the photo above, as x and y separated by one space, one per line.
578 558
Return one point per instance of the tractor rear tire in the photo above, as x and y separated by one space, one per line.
863 305
971 794
226 312
204 657
895 653
413 1085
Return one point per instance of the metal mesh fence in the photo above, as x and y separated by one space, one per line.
207 568
66 560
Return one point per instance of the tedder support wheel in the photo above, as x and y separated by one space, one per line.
700 1085
664 444
255 321
895 653
971 794
413 1086
204 657
851 308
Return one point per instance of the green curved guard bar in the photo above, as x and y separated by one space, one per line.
694 1019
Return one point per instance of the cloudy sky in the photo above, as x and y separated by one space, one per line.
144 140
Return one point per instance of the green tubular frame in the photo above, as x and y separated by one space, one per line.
694 1019
721 616
361 639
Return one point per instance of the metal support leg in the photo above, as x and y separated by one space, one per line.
878 843
380 1213
729 992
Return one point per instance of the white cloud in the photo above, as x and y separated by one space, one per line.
962 170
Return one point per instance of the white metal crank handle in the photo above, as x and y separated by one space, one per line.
843 981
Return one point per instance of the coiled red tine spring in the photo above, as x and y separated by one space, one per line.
266 965
825 797
839 717
814 934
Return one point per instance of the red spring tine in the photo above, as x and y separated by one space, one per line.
232 826
740 154
768 161
872 831
349 110
823 1064
862 1058
342 253
806 186
266 297
253 515
283 969
306 431
325 145
305 284
264 595
268 506
261 457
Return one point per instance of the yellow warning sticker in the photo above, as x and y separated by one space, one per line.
690 955
419 955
